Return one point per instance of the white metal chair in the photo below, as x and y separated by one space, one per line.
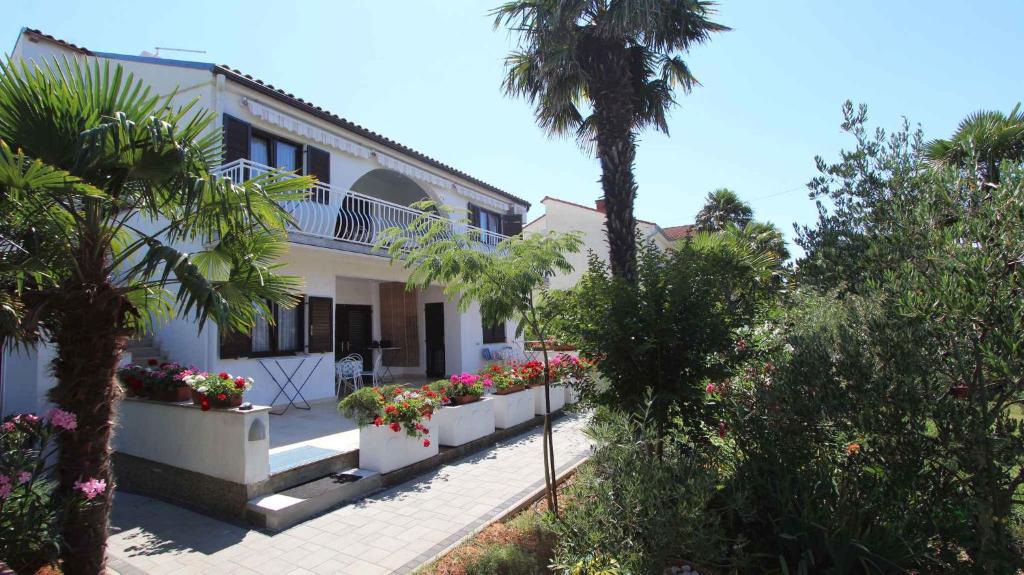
376 374
348 373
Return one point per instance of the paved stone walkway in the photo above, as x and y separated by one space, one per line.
394 531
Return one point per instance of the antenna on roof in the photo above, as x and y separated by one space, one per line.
158 48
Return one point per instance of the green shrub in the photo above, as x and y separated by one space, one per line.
642 506
673 331
504 560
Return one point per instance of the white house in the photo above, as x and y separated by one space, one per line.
565 216
352 296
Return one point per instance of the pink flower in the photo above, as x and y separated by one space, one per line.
27 418
24 477
5 490
8 426
711 388
62 419
91 488
487 382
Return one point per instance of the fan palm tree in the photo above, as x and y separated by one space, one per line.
762 237
602 70
721 208
107 192
984 138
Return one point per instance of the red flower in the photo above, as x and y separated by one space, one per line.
223 375
431 394
426 443
722 428
153 362
389 409
378 421
395 426
222 397
239 384
204 404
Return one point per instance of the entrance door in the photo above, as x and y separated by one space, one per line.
434 318
353 332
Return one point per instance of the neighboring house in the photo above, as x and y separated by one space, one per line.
564 216
352 295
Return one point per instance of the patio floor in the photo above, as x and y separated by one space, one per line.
393 531
298 436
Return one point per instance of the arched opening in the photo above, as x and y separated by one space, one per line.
379 202
390 186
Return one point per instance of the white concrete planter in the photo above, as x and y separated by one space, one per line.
571 396
512 409
383 450
464 423
557 398
229 444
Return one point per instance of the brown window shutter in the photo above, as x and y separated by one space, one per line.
512 224
234 343
320 318
318 163
236 139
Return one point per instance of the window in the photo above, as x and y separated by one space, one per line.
488 220
273 151
284 337
494 333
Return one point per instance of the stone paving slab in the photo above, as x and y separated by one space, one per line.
393 531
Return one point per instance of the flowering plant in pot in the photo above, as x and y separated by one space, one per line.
567 368
156 381
220 390
530 373
394 407
503 380
31 508
463 388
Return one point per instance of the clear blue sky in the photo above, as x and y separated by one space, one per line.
428 74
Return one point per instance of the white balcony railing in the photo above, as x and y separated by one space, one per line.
348 216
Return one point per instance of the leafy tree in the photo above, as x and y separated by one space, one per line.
602 70
854 197
721 208
987 138
100 180
508 281
675 331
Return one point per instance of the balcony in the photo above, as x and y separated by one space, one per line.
330 213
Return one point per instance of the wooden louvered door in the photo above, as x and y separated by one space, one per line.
353 332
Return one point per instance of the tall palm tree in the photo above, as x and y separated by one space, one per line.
985 138
721 208
104 186
602 70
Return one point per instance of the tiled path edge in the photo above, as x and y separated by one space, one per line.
507 509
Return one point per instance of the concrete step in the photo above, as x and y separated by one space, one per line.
288 507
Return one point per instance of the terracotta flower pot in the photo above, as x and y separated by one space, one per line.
231 401
176 395
464 399
508 390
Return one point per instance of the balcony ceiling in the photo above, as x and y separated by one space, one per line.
390 186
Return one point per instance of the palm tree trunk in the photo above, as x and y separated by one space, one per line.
88 351
612 95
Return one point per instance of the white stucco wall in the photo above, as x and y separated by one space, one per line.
564 217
